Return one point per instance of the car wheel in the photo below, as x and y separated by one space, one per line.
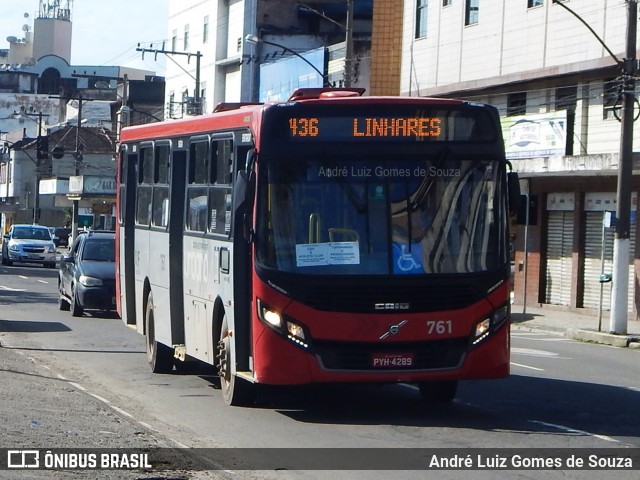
63 303
76 308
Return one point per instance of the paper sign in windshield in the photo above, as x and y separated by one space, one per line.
330 253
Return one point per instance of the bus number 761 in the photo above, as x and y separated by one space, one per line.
439 327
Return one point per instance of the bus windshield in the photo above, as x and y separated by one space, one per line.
381 217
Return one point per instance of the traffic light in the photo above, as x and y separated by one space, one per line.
42 147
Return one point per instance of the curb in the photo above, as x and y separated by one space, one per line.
603 338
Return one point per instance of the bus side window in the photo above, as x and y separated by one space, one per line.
220 190
160 216
196 215
146 168
143 211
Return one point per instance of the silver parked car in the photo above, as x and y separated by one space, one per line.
29 244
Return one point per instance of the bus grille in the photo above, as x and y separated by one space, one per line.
432 355
411 299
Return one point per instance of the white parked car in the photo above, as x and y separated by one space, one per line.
29 244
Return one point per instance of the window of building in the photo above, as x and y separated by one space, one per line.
446 3
186 38
205 29
566 98
471 12
611 99
174 40
516 104
421 18
534 3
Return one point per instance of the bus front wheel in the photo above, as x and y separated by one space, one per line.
159 356
438 391
235 391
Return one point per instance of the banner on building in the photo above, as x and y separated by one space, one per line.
535 135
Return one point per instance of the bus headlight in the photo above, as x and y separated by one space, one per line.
284 326
485 327
269 316
295 330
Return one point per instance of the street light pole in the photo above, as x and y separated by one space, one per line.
255 40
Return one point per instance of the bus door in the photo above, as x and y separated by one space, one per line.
178 174
126 233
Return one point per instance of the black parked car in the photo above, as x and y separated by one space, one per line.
87 275
60 236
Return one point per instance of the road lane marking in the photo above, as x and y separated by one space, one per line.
573 430
543 339
527 366
121 411
102 399
9 289
532 352
43 281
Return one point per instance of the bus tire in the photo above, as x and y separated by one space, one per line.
235 391
442 391
159 356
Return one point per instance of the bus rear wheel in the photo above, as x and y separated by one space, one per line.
159 356
235 390
442 391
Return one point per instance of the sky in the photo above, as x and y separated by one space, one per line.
105 32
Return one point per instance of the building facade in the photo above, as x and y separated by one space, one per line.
213 62
556 84
75 109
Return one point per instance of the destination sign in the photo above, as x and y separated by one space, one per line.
366 127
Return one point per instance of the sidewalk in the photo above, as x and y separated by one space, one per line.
574 324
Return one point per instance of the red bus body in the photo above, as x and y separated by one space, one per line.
222 266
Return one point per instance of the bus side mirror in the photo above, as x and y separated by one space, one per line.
513 188
242 202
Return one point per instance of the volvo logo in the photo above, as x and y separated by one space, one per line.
393 329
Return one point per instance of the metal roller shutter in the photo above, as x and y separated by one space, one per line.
593 263
559 258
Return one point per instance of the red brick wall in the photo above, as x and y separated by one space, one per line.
386 47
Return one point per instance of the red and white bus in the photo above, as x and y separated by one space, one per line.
333 237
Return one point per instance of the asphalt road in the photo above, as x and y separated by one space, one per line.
561 394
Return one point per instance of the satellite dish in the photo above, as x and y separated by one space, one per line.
12 39
26 15
25 28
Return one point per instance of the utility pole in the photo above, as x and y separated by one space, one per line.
348 60
198 55
77 162
42 153
621 243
